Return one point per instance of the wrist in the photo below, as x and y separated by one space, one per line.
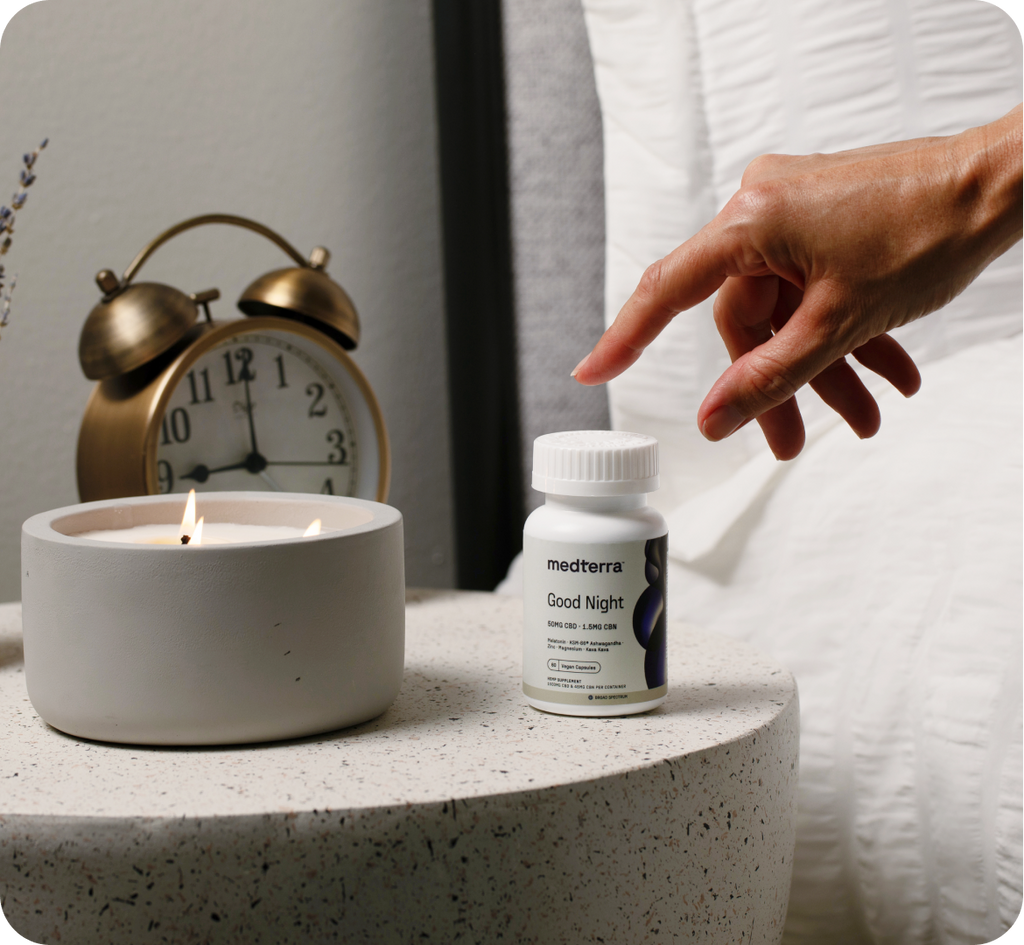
986 164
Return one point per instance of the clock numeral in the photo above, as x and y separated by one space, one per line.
178 426
328 488
281 382
338 455
208 397
164 475
316 409
244 356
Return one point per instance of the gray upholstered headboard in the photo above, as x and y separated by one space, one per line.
557 216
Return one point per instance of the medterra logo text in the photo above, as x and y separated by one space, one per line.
582 566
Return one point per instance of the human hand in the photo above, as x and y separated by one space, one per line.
818 257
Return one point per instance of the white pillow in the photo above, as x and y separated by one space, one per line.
886 574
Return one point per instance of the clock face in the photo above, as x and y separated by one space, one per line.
273 409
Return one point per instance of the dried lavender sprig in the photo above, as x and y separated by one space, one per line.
25 180
5 303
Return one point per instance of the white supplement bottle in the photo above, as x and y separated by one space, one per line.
594 559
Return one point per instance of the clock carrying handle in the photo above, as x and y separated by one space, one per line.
244 222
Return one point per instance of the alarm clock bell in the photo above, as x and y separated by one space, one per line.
135 323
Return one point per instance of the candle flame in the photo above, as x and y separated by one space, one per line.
188 521
197 535
314 528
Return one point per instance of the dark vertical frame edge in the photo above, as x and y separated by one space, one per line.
482 375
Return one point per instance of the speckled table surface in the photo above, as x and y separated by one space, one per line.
461 814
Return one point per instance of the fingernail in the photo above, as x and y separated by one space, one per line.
576 369
722 422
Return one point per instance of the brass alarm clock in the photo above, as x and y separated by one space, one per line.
270 401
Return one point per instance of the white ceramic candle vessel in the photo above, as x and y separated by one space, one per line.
226 643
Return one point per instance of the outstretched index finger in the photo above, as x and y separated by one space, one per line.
687 276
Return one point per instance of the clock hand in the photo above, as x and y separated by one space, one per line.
301 462
201 473
248 410
253 462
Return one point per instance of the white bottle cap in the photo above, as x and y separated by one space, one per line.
595 462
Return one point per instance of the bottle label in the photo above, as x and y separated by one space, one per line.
595 624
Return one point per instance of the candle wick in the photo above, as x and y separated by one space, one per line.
185 539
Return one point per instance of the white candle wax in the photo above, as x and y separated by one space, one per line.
214 533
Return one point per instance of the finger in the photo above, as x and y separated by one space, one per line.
886 357
687 276
746 308
771 373
743 312
783 429
840 387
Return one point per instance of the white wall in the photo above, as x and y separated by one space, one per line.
313 117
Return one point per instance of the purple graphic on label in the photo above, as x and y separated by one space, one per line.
649 614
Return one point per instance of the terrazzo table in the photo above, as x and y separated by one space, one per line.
460 815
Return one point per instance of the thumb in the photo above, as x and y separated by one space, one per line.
769 374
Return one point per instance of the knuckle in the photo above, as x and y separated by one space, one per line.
772 381
754 201
754 211
651 285
761 166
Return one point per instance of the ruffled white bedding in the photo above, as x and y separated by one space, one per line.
885 573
